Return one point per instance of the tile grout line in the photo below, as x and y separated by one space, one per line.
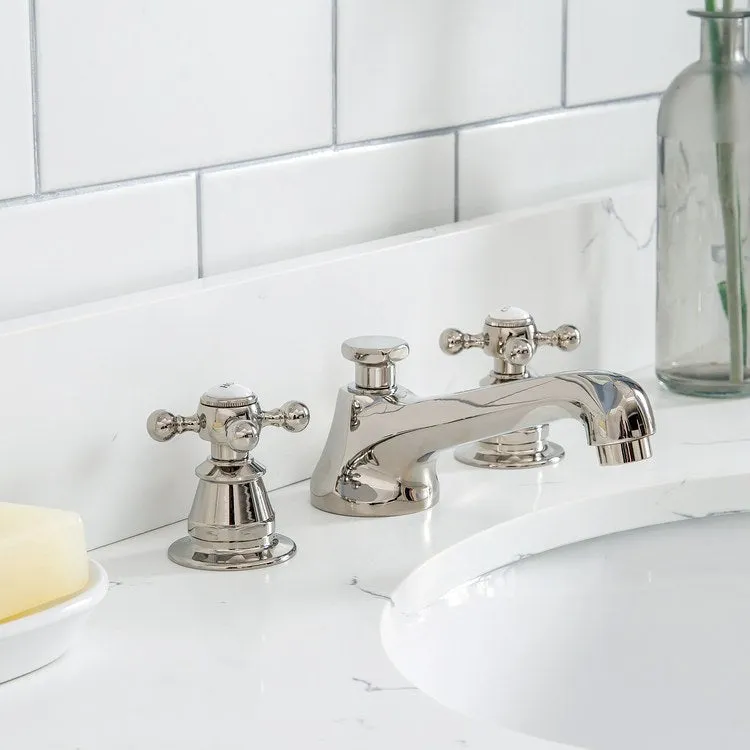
564 65
398 138
334 71
34 73
455 177
199 221
157 177
382 141
635 99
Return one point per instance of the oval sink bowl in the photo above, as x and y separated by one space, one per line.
634 640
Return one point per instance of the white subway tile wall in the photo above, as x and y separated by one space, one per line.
556 155
624 49
297 206
306 124
16 130
133 87
80 248
409 65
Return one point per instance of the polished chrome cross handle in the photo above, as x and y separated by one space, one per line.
230 418
511 337
565 337
243 434
453 341
231 525
162 425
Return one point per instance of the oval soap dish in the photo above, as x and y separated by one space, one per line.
33 641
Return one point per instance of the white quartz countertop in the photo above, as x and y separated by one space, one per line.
292 656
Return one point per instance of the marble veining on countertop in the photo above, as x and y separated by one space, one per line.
292 656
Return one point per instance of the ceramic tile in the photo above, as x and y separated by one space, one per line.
528 161
412 66
136 88
618 50
87 247
16 139
293 207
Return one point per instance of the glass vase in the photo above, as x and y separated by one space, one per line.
704 216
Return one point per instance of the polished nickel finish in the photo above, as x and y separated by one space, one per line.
380 456
374 360
511 338
523 449
231 525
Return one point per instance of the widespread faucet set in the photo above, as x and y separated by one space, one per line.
379 459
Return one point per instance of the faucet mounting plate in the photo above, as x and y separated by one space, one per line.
196 553
491 455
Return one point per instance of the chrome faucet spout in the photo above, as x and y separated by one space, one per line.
380 456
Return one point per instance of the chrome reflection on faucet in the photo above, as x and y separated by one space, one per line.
231 525
379 459
511 338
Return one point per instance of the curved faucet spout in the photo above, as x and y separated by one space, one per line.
379 459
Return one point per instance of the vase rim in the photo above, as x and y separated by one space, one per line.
720 14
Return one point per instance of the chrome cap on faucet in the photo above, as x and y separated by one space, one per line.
231 525
511 338
374 360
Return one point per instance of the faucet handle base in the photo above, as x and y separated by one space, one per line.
202 555
524 449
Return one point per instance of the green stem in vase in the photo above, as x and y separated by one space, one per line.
731 292
723 293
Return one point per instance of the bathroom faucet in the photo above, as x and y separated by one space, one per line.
379 459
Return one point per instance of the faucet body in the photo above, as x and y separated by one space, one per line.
380 456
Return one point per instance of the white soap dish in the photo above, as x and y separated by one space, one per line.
36 640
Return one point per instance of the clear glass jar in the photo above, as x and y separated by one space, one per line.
703 258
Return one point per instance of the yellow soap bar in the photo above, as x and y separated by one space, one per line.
42 558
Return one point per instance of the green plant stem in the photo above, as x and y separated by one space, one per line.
729 202
732 244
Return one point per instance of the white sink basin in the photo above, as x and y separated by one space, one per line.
630 641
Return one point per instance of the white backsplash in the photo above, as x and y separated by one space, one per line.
303 126
79 383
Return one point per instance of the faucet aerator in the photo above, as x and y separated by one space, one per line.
626 452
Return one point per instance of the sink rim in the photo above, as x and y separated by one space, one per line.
559 526
542 531
548 529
